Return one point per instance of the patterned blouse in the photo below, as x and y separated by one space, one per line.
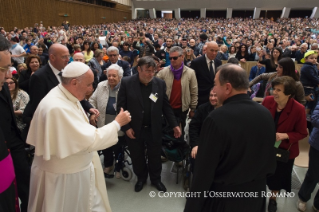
19 103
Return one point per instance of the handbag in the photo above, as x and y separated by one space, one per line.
282 155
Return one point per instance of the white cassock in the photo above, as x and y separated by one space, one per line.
66 174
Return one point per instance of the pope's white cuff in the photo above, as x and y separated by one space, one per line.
118 125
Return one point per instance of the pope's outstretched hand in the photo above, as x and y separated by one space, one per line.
123 117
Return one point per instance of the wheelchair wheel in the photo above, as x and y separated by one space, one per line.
126 174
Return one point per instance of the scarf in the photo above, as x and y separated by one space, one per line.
178 72
15 45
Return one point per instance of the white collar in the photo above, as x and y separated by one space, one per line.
55 71
207 59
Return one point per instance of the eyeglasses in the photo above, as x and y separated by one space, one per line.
6 69
113 55
10 83
66 57
174 58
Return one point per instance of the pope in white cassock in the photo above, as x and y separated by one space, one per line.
66 173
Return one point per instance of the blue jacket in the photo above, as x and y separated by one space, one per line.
309 75
253 72
314 136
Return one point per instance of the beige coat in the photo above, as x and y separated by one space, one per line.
189 86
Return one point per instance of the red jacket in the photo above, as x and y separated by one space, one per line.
291 121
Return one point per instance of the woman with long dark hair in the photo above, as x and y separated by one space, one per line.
88 53
285 67
242 54
271 64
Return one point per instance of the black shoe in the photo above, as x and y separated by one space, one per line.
106 175
139 186
160 186
272 205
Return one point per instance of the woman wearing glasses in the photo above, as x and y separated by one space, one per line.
19 100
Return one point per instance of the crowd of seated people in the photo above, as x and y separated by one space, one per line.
276 46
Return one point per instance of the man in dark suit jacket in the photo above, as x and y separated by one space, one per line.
10 130
238 141
285 51
145 97
205 76
113 54
46 78
150 35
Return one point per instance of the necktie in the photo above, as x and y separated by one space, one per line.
258 69
60 74
211 69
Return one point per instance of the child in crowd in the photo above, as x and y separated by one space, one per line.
310 80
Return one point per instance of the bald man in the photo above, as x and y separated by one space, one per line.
205 68
45 79
230 139
79 57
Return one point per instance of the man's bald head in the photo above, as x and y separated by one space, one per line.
79 57
59 56
212 50
230 80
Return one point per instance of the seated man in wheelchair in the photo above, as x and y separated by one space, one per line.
196 123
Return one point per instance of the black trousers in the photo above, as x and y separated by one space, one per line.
311 179
108 153
137 149
22 171
7 199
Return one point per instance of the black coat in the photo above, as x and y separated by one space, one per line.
24 80
130 98
7 197
236 150
41 82
205 79
197 121
125 66
286 53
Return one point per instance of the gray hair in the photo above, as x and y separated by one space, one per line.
112 49
116 67
176 49
235 75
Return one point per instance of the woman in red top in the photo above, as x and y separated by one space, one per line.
291 126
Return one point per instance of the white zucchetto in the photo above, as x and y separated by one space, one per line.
75 69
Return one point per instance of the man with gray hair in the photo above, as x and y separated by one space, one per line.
144 96
235 138
113 54
71 160
301 53
181 86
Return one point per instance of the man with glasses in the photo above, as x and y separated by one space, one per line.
181 86
144 96
113 54
206 68
12 134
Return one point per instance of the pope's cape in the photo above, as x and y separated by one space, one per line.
67 174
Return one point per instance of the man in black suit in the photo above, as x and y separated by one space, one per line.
205 68
285 51
46 78
238 141
145 97
150 35
113 54
10 130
